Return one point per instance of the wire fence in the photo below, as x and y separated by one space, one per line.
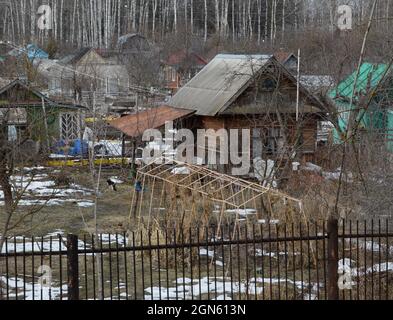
346 260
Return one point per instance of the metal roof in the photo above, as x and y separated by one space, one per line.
75 57
26 86
135 125
216 85
32 51
369 77
316 82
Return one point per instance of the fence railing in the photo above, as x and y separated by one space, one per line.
265 261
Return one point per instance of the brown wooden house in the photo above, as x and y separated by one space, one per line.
253 92
180 68
258 93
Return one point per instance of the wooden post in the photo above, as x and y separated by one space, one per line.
133 156
72 267
47 145
123 149
332 274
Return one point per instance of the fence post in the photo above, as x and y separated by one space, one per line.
72 267
332 229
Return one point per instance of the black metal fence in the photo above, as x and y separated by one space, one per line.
268 261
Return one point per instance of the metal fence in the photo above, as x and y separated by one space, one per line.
268 261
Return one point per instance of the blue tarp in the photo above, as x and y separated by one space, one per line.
32 51
76 148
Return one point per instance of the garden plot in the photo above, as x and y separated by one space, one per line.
220 288
36 188
56 242
19 289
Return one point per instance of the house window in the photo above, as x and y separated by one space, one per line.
55 85
269 84
170 74
112 85
274 141
257 143
69 126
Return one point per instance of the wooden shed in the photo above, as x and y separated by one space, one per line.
29 114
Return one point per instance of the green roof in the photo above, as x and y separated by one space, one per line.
369 77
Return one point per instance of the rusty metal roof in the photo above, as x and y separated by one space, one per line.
225 77
135 125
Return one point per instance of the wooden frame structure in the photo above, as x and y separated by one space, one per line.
195 194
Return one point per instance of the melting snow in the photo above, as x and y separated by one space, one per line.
38 190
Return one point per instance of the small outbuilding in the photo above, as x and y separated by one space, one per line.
29 114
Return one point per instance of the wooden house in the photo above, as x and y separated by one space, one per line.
133 43
258 93
179 68
79 74
254 92
28 114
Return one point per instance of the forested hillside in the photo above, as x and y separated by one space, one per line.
208 27
99 22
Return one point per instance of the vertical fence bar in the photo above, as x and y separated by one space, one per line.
175 262
94 267
159 264
365 261
333 293
379 261
350 255
294 260
126 266
72 267
317 262
387 259
372 260
199 263
32 268
278 262
60 266
247 267
270 260
325 285
134 265
16 269
110 268
343 257
239 282
286 262
50 265
231 264
42 263
223 233
151 265
301 260
309 262
191 266
183 257
24 268
85 267
357 261
143 267
255 262
7 270
102 293
118 267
